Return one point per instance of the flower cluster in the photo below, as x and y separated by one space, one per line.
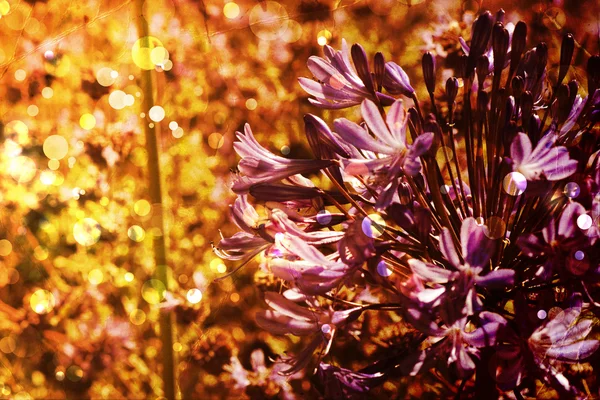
478 226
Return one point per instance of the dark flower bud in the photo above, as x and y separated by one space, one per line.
451 89
563 102
500 15
404 193
519 41
517 86
361 63
500 46
593 74
379 70
483 70
480 37
428 64
526 106
566 54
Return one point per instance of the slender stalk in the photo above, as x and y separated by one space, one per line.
154 187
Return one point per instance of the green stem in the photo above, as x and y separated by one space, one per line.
154 183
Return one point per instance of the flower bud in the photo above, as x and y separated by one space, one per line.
361 63
451 89
379 70
428 65
519 41
500 47
509 109
541 51
566 54
480 36
396 81
500 15
322 142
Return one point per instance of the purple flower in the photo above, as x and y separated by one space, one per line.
388 153
339 85
342 383
546 161
556 240
261 166
468 270
287 317
306 267
561 339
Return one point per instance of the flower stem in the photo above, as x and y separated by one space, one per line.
154 186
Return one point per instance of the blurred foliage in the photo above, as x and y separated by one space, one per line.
78 308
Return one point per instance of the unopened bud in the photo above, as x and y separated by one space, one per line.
500 47
379 70
428 64
451 89
519 41
566 54
361 63
483 70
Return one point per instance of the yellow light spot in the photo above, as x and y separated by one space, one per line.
156 113
159 55
136 233
293 33
95 276
268 20
60 376
216 140
56 146
221 268
234 297
87 121
4 7
177 346
141 52
194 296
117 99
33 110
53 164
323 37
251 104
22 169
86 231
142 207
18 131
129 277
47 92
177 133
231 10
8 344
167 65
40 253
104 76
173 125
153 291
137 317
5 247
42 301
20 75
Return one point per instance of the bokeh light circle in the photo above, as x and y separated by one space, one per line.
87 231
42 301
141 53
373 225
268 20
514 183
153 291
56 147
